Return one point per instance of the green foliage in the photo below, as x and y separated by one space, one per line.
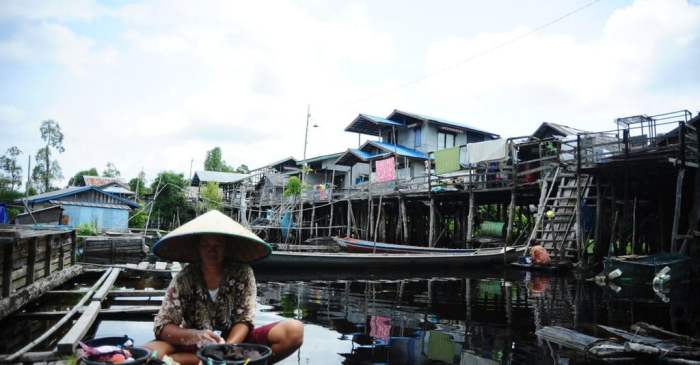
171 198
11 169
138 185
46 169
8 197
138 219
87 229
293 187
77 179
243 169
213 162
211 195
111 171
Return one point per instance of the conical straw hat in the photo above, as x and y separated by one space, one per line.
242 245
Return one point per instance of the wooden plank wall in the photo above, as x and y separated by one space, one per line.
25 260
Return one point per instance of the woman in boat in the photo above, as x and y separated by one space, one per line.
212 300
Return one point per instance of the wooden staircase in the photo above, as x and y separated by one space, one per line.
558 234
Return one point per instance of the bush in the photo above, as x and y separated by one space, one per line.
87 229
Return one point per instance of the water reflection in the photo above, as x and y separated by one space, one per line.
461 320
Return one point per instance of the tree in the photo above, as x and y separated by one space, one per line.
243 169
138 185
111 171
171 199
46 169
77 179
211 195
10 167
293 187
213 162
43 174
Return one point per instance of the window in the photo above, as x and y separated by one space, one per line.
445 140
417 137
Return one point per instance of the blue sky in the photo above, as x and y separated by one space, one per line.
155 84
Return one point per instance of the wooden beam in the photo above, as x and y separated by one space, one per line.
38 288
47 256
404 219
470 216
67 344
677 209
102 293
61 321
511 218
348 219
431 229
7 269
31 258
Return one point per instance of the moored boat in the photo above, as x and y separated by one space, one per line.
303 260
362 246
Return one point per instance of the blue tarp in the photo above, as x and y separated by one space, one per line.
4 216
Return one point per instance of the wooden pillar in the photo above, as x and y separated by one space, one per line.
31 258
470 216
73 247
349 218
330 222
598 217
313 215
47 256
677 209
7 268
431 230
404 220
511 217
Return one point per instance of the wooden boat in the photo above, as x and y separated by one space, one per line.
305 260
553 267
362 246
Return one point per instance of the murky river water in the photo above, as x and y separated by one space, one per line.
414 318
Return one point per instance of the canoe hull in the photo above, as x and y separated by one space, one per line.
303 260
362 246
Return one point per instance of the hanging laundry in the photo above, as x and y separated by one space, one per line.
496 149
386 171
447 160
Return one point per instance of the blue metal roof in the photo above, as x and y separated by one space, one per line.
399 150
442 121
354 155
73 190
370 124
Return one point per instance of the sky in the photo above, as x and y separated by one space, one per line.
153 85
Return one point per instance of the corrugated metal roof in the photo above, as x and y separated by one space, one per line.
354 155
91 205
331 156
398 149
445 122
118 190
564 130
73 190
219 177
370 124
101 181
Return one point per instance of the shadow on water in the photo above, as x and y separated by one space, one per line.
402 317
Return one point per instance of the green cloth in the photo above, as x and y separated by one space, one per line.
441 347
447 160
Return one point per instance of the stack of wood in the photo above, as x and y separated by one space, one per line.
115 245
644 343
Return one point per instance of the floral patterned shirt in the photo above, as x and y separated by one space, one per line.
187 302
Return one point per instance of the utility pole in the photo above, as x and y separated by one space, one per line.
191 162
29 175
303 171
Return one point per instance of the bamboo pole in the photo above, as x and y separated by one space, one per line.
470 216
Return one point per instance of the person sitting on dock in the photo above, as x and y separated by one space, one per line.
212 300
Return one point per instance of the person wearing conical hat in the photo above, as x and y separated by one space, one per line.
212 300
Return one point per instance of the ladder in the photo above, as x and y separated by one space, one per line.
557 232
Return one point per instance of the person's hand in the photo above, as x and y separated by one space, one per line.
202 338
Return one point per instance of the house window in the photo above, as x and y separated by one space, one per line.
417 137
445 140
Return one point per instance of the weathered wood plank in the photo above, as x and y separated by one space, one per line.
37 289
103 291
67 344
160 265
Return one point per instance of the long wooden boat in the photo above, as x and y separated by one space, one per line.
305 260
641 269
362 246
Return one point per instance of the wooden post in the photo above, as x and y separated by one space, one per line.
330 199
61 253
511 217
404 219
598 216
330 224
313 213
7 269
349 217
470 216
31 258
677 209
635 202
73 247
47 256
431 230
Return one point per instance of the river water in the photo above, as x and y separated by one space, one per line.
446 317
